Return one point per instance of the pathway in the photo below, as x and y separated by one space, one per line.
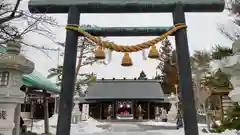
129 128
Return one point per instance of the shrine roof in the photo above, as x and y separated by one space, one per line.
36 79
2 49
125 89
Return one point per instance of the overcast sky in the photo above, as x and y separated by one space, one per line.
202 34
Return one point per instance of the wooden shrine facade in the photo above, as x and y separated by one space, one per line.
124 97
99 109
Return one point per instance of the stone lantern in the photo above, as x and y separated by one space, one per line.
231 66
12 66
76 114
172 113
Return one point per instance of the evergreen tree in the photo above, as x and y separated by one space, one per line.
168 69
165 51
232 121
142 76
219 52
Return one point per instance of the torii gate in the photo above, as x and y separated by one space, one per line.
176 7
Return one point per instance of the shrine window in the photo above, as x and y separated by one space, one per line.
4 79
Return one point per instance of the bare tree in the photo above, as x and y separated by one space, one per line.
85 57
34 23
86 50
200 66
205 93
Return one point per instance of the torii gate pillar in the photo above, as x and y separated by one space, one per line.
68 84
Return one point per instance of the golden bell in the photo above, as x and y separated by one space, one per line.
99 53
153 53
126 61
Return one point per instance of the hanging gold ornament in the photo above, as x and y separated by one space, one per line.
99 53
153 53
126 61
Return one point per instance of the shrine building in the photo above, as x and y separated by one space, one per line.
122 98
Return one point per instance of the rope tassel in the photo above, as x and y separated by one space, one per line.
144 55
109 55
126 61
99 53
153 53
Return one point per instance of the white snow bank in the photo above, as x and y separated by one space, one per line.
156 123
230 132
82 127
40 129
52 121
181 132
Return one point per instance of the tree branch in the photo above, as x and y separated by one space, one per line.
12 15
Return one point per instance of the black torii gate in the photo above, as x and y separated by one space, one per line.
176 7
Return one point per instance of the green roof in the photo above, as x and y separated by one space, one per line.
36 79
2 49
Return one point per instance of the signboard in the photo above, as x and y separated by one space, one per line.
85 112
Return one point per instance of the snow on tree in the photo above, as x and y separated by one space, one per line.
231 121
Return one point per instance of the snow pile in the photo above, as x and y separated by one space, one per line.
94 121
230 132
181 132
156 123
52 121
82 127
40 129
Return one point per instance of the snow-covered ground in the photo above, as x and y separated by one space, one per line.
90 128
181 132
86 127
155 123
